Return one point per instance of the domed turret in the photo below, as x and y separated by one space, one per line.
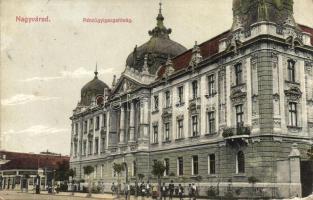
157 49
248 12
93 89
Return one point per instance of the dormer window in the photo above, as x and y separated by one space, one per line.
156 103
291 71
238 74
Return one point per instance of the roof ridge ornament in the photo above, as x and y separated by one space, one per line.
145 69
96 71
196 56
160 30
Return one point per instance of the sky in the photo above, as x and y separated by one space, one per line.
45 64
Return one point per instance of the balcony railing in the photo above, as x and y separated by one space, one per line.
238 131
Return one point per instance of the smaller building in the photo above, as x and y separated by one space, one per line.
20 170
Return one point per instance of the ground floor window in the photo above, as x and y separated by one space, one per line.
211 164
180 166
195 165
240 162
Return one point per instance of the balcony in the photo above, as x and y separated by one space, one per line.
237 135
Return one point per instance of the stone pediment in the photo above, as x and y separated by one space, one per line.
293 93
238 96
125 85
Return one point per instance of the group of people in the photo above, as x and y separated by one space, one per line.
151 190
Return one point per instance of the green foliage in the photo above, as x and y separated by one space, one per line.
228 132
158 169
118 168
252 179
88 170
63 171
140 176
172 174
212 192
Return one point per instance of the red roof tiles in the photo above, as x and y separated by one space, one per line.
31 161
207 48
307 30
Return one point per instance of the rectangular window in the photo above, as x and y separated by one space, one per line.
211 164
194 89
211 122
104 120
194 125
167 167
155 134
101 171
90 147
134 168
195 165
180 166
167 99
85 126
102 144
76 128
156 103
97 123
291 71
180 95
96 146
84 148
293 118
91 124
238 73
167 131
239 116
211 85
180 126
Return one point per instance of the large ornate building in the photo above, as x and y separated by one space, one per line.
232 112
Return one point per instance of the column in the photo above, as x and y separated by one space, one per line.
122 125
132 122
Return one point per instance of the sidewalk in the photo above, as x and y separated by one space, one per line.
100 196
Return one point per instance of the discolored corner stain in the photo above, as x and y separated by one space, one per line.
9 56
36 93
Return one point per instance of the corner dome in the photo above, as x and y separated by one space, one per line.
157 49
92 89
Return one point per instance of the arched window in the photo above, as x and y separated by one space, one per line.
240 161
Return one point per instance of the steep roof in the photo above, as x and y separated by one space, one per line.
307 30
207 48
31 161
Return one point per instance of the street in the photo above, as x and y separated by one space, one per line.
17 195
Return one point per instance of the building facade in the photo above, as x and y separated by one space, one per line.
232 113
19 171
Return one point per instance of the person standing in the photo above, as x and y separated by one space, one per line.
143 190
194 191
148 188
180 192
127 191
190 191
171 188
163 191
113 188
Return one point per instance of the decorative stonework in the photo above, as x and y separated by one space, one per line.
276 97
238 96
196 57
293 94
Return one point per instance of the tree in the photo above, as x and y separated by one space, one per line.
88 170
62 172
118 168
72 173
158 169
